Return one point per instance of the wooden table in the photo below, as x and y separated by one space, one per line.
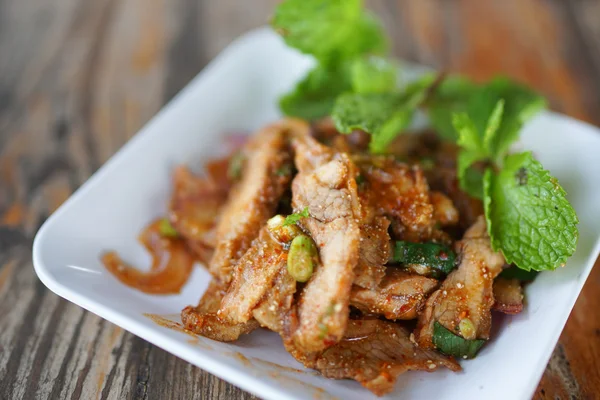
78 78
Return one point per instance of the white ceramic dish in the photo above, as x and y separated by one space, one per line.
238 91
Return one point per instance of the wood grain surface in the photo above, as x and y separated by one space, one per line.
78 78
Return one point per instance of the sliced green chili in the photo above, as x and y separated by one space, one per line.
454 345
427 258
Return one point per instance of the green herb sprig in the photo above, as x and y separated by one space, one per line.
528 216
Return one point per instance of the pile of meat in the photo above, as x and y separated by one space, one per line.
352 318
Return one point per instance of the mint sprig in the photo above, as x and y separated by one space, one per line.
476 146
373 74
528 216
314 95
338 33
383 115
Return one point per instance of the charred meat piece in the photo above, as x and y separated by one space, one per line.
463 303
399 296
204 321
326 185
253 276
374 253
253 200
195 205
272 312
508 296
375 353
400 192
444 212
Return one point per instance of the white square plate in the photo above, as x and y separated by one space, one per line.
238 91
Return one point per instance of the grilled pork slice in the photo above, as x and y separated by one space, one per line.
374 252
325 184
399 296
204 321
466 294
375 353
400 192
508 296
253 276
253 200
195 205
277 303
444 212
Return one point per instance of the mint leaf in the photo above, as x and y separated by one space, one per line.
454 345
383 115
451 96
314 96
328 29
296 217
458 94
469 179
528 216
506 120
476 144
366 37
468 134
374 74
492 126
520 105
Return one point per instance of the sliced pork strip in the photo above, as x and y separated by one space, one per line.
326 186
254 275
333 168
399 296
374 253
508 296
375 353
323 306
444 212
194 208
204 321
277 303
467 291
400 192
253 200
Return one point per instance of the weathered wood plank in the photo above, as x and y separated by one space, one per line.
82 77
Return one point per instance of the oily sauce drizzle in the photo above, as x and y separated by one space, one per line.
172 264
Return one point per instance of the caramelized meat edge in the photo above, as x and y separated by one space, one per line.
252 201
399 296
